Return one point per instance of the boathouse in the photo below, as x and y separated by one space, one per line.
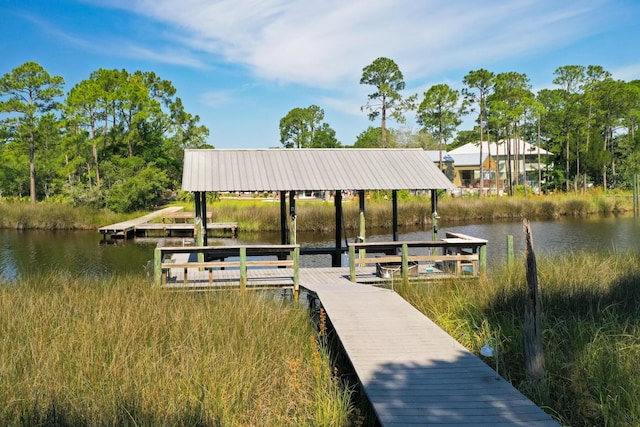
291 171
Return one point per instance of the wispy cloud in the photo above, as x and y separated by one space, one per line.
325 43
117 45
217 98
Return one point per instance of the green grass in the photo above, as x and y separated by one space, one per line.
78 351
55 216
260 214
591 322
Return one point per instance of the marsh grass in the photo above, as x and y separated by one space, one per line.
78 351
260 215
263 214
54 216
591 321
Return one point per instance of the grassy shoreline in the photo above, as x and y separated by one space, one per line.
260 214
117 351
79 351
591 330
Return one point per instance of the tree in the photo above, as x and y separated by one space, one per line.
28 92
303 128
386 101
439 114
508 105
479 84
571 79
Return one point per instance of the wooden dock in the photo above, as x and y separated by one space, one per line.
413 372
126 228
174 222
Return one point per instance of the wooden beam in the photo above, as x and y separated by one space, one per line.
394 202
283 218
337 200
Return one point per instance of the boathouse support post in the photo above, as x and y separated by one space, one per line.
434 214
337 200
283 218
362 237
292 215
394 202
196 200
203 217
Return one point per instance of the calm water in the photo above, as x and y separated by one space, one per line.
81 252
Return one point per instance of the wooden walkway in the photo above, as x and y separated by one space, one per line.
414 373
123 229
143 224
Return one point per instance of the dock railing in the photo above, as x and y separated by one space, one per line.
456 254
211 258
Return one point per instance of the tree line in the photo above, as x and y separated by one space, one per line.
116 140
589 121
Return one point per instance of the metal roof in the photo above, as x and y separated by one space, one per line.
311 169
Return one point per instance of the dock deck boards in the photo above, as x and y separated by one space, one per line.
413 372
125 227
143 223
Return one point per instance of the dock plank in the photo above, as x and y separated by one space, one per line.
125 227
413 372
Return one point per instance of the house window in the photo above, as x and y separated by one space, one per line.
467 178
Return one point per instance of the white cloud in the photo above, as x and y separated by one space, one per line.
326 43
627 73
217 98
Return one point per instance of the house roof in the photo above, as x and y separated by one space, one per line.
523 147
468 159
311 169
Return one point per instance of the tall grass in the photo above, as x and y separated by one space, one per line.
260 214
76 351
54 216
257 214
591 321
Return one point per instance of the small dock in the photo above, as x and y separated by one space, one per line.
413 372
127 228
173 222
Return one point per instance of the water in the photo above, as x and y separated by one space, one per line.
81 252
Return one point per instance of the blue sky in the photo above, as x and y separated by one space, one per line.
242 65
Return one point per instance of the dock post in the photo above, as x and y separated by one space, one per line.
243 269
405 264
352 263
157 266
363 228
483 259
296 272
509 249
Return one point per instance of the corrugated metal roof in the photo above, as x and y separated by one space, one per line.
311 169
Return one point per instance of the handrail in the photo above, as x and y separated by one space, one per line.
399 251
218 254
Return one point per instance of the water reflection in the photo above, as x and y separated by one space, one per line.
80 253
